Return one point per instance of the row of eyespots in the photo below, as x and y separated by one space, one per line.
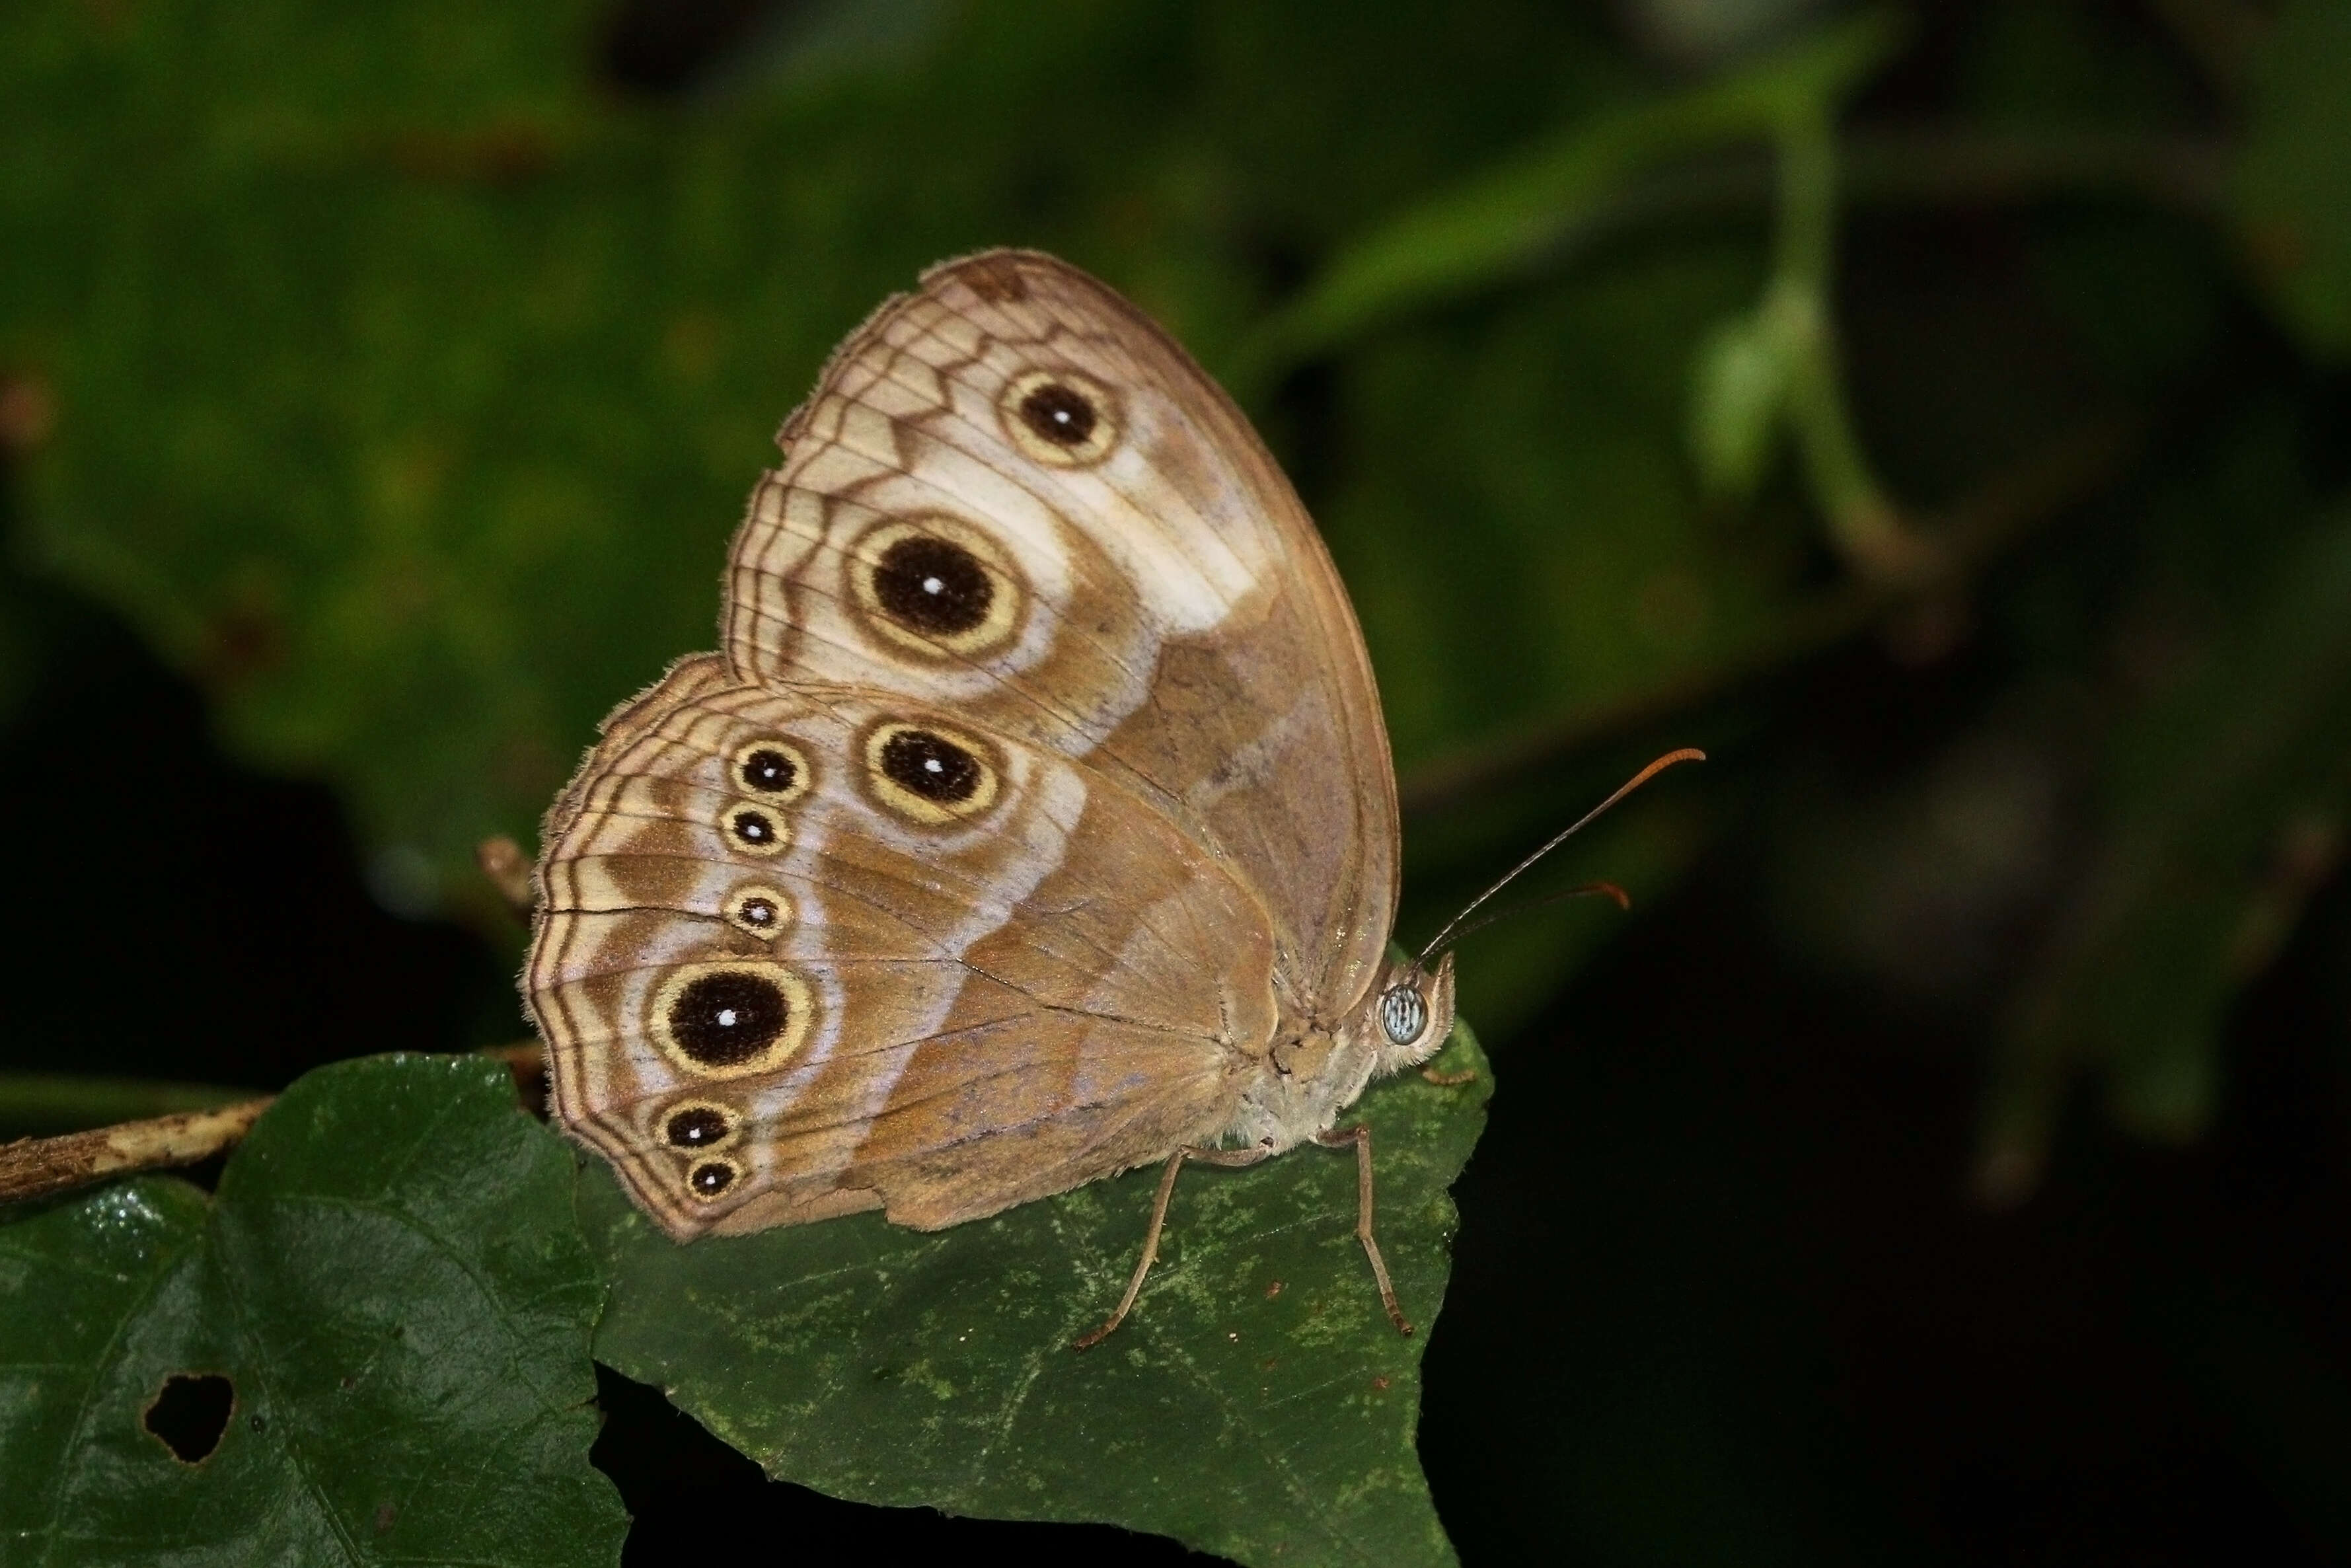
933 583
702 1128
928 774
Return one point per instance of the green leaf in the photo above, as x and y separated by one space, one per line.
1497 224
2291 213
1258 1403
389 1302
1738 395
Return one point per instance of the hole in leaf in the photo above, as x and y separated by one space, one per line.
191 1413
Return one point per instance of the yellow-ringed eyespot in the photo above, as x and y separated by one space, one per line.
936 585
699 1126
930 773
758 910
770 769
730 1018
752 830
1062 418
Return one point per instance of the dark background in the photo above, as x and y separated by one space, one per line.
1748 1270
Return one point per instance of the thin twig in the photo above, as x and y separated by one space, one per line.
42 1167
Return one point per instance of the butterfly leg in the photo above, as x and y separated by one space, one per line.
1360 1136
1159 1222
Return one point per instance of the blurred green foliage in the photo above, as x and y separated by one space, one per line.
404 386
402 382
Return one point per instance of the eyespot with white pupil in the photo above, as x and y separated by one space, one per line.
932 585
935 584
1059 417
1404 1014
699 1125
771 769
756 911
729 1018
755 831
929 773
711 1178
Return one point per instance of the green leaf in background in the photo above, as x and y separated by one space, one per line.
1738 395
2225 795
1258 1403
1501 222
2294 175
388 1306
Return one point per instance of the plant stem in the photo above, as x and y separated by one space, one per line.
41 1167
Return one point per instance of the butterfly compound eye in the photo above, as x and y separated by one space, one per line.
1060 418
1403 1015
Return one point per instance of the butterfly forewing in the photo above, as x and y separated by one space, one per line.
1155 600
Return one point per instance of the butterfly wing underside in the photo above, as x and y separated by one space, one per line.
773 1004
1040 785
1160 604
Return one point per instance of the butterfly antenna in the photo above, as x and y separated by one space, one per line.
1686 754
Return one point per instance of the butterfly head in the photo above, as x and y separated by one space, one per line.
1412 1012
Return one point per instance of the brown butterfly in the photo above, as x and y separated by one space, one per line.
1035 820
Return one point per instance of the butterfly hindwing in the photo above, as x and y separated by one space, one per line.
804 952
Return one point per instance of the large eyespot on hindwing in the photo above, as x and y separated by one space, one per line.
929 773
700 1126
935 584
1060 418
757 910
769 769
730 1018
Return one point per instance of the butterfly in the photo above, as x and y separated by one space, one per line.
1034 822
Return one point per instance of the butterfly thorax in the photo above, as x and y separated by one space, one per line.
1315 1069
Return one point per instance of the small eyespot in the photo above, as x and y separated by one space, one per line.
711 1178
758 911
726 1019
755 831
1060 417
775 770
1059 412
935 584
929 773
1404 1014
698 1125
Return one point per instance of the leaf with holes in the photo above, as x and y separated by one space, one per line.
1258 1403
371 1346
